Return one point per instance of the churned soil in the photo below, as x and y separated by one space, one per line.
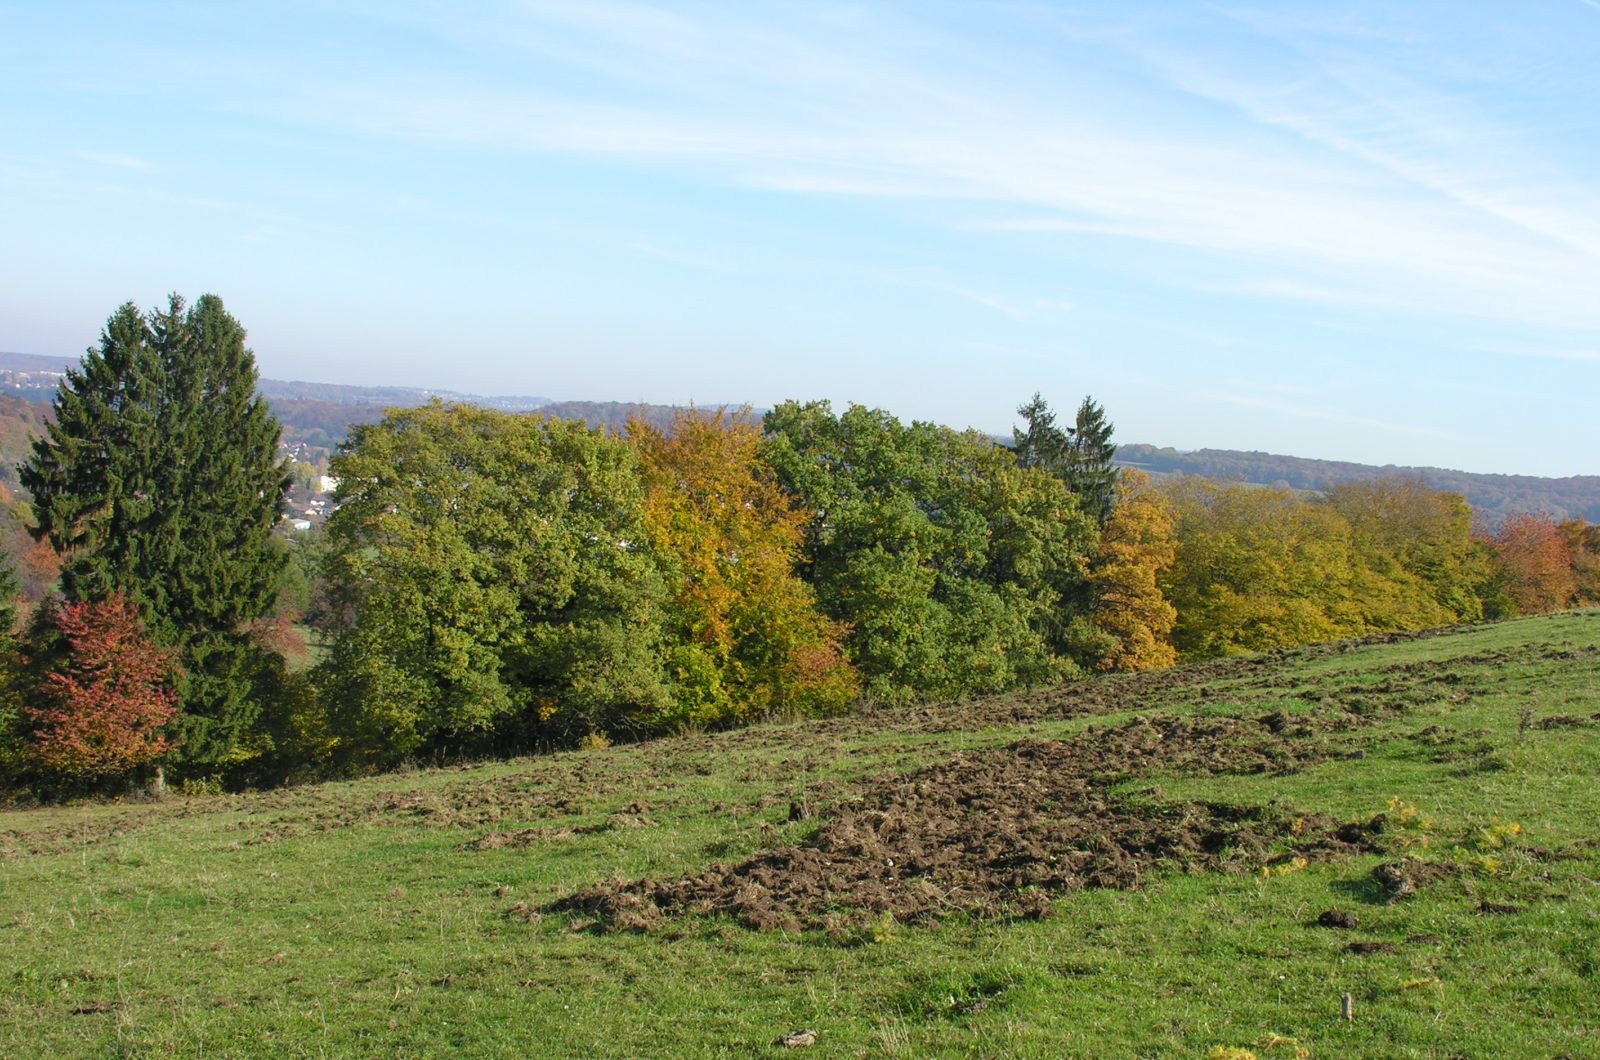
1000 832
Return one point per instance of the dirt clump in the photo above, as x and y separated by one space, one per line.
1337 918
1567 721
1403 878
1367 949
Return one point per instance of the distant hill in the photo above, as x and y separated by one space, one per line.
275 390
1493 497
20 422
317 417
32 362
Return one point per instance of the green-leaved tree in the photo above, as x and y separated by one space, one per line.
951 565
496 585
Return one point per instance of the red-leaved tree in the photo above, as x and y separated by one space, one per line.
102 713
1537 561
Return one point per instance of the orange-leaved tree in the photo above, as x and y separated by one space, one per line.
1536 560
749 641
102 712
1138 543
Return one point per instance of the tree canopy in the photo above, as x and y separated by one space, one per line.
748 640
950 563
497 580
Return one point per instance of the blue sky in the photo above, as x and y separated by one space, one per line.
1365 231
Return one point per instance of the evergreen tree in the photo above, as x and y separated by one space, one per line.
1080 456
159 480
1043 445
13 728
1089 471
10 593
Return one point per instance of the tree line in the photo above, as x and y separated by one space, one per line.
493 582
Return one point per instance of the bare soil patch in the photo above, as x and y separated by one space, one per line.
999 832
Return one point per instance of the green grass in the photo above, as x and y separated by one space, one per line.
344 919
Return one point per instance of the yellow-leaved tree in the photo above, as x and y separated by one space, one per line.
1259 569
750 641
1137 544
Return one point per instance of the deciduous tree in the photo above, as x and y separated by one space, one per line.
1537 560
952 565
1583 545
748 638
1138 545
1260 568
1420 539
106 710
496 581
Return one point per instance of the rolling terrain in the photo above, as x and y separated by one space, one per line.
1157 864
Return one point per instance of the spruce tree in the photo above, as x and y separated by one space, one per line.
1043 445
1090 472
159 480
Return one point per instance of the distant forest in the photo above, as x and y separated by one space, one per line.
319 416
1492 497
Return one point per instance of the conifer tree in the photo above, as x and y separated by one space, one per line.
1080 455
1090 473
159 480
1043 445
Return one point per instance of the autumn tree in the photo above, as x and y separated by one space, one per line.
1138 545
159 482
951 564
747 637
106 710
1536 559
36 564
1418 538
496 585
1258 569
1583 545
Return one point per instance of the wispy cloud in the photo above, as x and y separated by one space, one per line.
117 161
1377 114
1395 216
1549 353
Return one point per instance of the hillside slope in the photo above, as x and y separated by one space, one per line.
1161 863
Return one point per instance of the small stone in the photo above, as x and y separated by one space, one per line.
798 1040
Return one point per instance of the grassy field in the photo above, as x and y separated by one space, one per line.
1128 866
